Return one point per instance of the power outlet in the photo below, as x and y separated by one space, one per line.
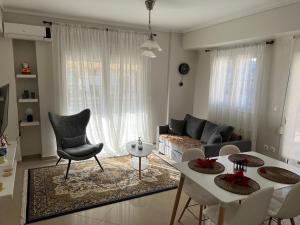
272 149
266 147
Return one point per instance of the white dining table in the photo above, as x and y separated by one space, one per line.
206 181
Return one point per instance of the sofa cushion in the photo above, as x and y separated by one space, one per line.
179 143
72 142
208 130
177 127
226 132
194 126
215 138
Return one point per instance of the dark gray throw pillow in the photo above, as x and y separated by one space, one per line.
73 141
194 126
177 127
215 138
208 130
226 132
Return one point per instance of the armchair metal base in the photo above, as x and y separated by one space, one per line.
69 164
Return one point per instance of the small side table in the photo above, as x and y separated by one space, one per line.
139 159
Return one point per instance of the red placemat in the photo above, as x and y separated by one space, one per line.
225 182
278 175
252 161
205 166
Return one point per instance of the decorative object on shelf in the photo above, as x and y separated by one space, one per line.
183 70
3 149
32 95
133 145
25 68
1 187
150 44
140 144
29 114
25 94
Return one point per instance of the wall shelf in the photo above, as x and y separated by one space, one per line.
28 100
11 163
28 124
26 76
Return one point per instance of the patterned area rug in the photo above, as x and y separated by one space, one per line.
50 195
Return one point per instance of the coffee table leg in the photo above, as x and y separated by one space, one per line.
221 215
178 194
140 165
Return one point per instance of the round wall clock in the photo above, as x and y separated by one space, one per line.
184 68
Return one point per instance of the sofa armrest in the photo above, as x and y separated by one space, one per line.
212 150
164 129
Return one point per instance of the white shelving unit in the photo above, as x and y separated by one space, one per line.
28 100
29 124
11 163
26 76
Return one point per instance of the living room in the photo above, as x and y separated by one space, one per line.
105 111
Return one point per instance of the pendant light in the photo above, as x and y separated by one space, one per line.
150 44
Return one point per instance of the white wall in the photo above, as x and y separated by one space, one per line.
7 75
180 98
45 81
201 92
264 25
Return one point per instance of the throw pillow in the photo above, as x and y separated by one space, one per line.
194 126
208 130
215 138
73 141
177 127
226 132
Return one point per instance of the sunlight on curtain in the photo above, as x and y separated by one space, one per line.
235 88
291 138
104 71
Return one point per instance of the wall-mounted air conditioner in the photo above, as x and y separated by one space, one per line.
27 32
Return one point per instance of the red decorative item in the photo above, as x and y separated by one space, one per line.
237 178
262 170
206 163
25 68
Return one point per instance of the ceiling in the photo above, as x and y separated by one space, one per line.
171 15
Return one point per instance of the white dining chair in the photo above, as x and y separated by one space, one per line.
193 190
229 150
286 208
252 211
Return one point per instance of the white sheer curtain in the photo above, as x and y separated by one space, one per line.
290 146
104 71
235 88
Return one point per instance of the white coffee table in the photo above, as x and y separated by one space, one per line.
139 159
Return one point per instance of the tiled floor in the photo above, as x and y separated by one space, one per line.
151 210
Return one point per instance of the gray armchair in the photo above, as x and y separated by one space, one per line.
71 140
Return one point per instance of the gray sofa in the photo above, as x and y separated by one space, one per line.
182 135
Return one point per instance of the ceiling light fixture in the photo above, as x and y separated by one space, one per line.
150 44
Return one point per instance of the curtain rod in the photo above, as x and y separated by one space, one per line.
50 23
270 42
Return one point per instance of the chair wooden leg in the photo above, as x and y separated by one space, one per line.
279 222
99 163
292 221
58 161
200 214
68 169
185 207
270 221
